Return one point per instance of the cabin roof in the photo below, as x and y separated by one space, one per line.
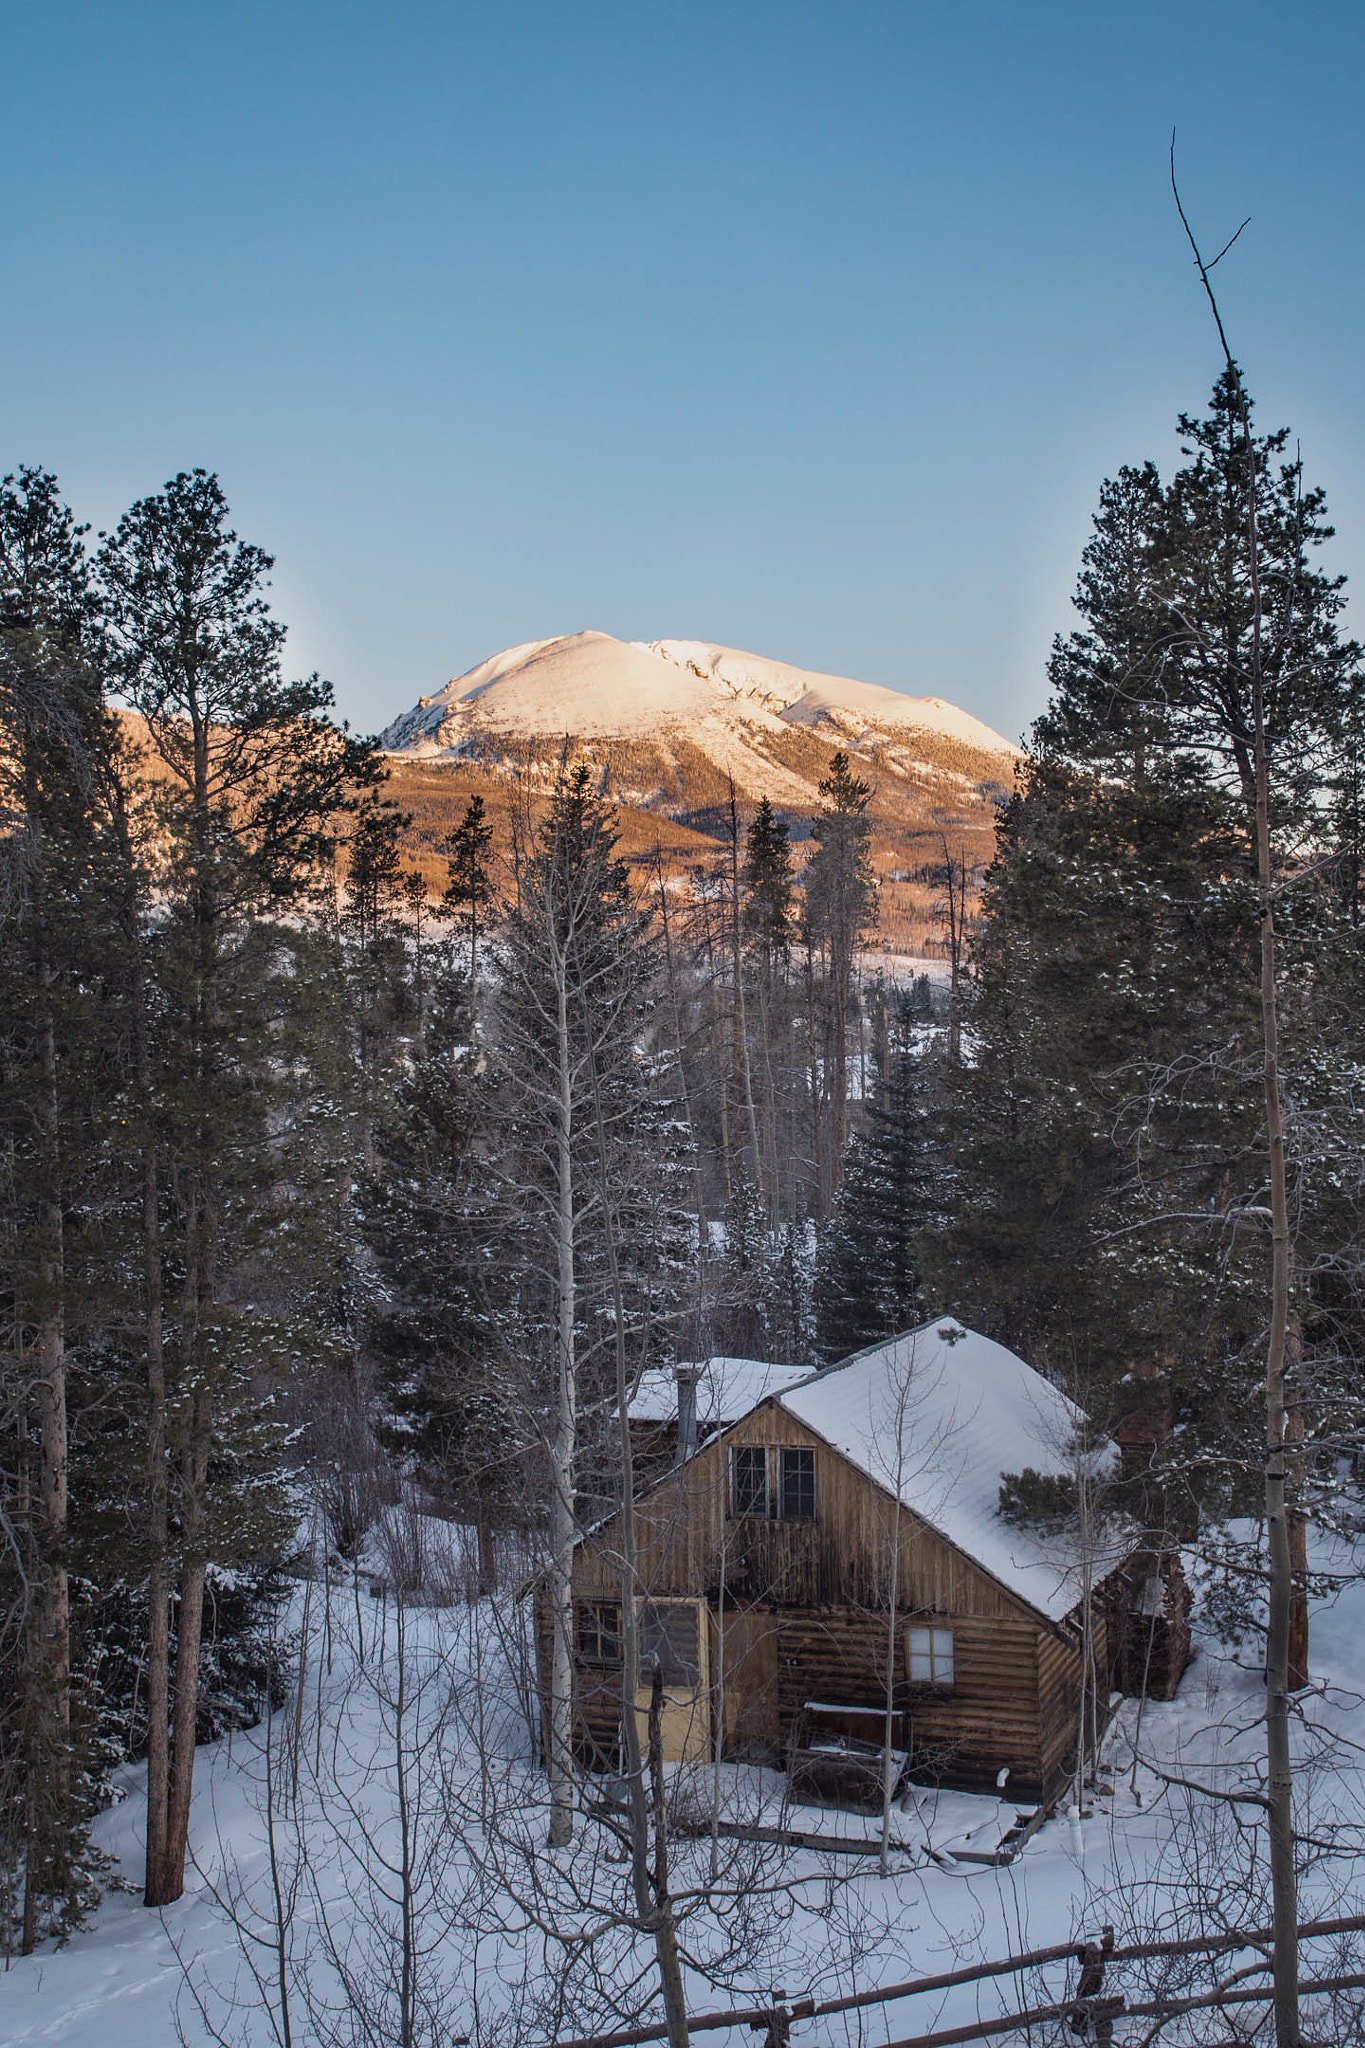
937 1417
726 1389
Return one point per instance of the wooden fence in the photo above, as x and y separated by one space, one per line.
1089 2008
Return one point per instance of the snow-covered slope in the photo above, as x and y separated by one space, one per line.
804 697
1142 1858
596 687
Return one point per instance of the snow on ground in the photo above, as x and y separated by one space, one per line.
477 1846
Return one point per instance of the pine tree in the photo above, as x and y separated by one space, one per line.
469 889
431 1221
1108 1130
375 950
257 775
769 926
867 1282
58 984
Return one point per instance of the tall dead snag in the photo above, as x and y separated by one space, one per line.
646 1805
1279 1774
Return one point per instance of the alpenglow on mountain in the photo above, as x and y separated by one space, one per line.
682 729
741 712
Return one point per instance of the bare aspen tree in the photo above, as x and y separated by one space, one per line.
569 1003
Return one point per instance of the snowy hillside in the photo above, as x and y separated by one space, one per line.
803 697
735 710
303 1828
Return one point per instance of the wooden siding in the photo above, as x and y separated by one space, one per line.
689 1543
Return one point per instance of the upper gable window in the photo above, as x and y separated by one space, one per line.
749 1480
796 1485
777 1484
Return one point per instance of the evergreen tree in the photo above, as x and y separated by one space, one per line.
431 1223
1108 1130
469 889
59 1047
866 1278
257 775
375 950
769 921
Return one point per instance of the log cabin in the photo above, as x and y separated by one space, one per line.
847 1529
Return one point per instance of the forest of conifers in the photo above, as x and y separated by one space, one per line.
315 1187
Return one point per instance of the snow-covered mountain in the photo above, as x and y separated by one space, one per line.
680 725
738 711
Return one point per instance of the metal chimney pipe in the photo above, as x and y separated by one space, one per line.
687 1377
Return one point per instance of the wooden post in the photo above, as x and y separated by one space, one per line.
1094 1956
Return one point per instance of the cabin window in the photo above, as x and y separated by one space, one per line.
599 1631
783 1489
749 1479
668 1638
797 1492
929 1656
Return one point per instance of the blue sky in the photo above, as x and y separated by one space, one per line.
811 328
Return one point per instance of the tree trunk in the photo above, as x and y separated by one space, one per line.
1283 1882
201 1294
816 1105
562 1455
653 1901
188 1641
158 1491
665 1932
48 1659
1279 1771
1295 1473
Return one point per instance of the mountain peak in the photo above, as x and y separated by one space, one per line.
595 687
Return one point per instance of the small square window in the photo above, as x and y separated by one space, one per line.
798 1485
599 1631
929 1656
749 1480
668 1638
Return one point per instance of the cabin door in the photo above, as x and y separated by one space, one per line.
673 1635
748 1657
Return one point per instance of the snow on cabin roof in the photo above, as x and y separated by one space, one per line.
727 1388
938 1416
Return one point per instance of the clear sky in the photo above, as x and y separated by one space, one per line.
810 328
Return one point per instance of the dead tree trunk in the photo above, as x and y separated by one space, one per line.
48 1657
560 1758
1279 1773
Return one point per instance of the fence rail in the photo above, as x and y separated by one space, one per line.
780 2014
